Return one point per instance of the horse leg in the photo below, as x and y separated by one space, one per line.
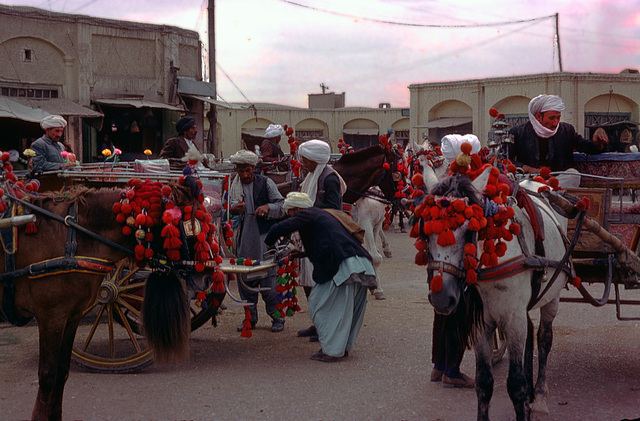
484 377
545 340
386 248
517 385
56 336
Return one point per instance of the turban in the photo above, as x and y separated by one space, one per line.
274 130
297 200
52 122
316 151
244 156
185 123
541 104
451 145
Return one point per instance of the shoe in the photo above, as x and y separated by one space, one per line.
321 356
239 328
277 325
314 338
436 375
310 331
464 381
379 295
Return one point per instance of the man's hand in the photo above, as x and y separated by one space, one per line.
237 209
600 139
262 211
530 170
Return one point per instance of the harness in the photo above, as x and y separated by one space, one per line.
70 263
372 194
524 262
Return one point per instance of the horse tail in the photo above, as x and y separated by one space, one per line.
469 315
165 318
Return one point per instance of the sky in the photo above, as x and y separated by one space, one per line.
279 51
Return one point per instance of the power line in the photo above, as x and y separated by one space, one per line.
419 25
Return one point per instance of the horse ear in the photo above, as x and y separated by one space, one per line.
481 181
428 173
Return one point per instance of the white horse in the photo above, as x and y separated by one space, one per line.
501 302
369 213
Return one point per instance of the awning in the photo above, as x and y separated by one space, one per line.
12 109
60 106
213 101
367 132
254 132
136 103
441 123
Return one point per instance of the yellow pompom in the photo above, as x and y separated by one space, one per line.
463 160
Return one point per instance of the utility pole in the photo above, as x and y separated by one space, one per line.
213 114
558 42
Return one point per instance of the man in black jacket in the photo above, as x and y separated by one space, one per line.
546 142
342 271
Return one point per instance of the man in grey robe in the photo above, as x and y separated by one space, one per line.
259 203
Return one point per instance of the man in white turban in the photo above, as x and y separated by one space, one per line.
342 271
49 148
257 203
270 149
544 141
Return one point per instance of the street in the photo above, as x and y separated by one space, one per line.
594 368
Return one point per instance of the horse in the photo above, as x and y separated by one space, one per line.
361 171
504 294
57 271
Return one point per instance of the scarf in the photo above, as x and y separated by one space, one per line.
541 104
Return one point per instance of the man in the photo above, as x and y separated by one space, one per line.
270 148
48 148
325 188
257 199
176 147
342 271
546 142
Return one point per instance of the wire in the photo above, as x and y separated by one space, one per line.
419 25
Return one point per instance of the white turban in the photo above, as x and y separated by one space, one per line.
297 200
316 150
540 104
53 121
450 145
274 130
244 156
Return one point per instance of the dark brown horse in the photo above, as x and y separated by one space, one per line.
57 275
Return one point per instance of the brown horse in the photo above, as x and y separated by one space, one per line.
56 275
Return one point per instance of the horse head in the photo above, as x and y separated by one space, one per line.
446 251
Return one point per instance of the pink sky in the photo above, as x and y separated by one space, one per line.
278 52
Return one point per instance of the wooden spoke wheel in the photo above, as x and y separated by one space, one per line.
499 346
109 339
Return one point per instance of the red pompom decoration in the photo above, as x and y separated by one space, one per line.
545 172
417 180
493 112
436 284
466 148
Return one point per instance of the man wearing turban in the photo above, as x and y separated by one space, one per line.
270 148
342 271
49 148
176 147
255 199
325 188
544 141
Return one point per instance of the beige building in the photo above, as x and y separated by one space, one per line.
592 100
127 72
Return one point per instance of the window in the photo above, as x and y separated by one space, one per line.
27 54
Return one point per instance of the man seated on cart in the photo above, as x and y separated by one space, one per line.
256 199
270 148
48 148
544 141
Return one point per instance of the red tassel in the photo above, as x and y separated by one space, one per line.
576 282
472 277
436 283
31 228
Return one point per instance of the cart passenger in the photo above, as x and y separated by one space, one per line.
544 141
270 148
259 203
176 147
49 148
342 271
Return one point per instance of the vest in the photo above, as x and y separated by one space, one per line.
261 197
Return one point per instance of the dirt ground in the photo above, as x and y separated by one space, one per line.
594 368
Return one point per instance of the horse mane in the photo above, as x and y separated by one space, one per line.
459 186
360 156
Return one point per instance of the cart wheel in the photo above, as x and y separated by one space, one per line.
499 346
104 346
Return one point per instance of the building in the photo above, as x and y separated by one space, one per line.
107 77
592 100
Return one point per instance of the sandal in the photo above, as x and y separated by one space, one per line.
321 356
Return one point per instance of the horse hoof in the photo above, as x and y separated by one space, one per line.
540 406
387 254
